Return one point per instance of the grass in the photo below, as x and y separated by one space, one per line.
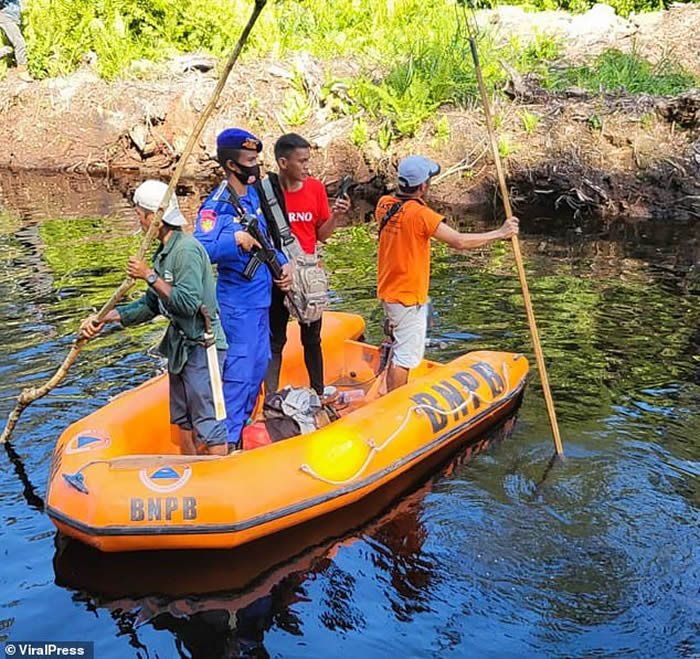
413 58
614 70
529 121
442 132
360 133
505 147
622 7
431 75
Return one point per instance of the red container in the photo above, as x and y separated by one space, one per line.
255 435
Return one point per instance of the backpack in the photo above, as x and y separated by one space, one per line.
309 279
291 412
309 289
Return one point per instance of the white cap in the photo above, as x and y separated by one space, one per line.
149 195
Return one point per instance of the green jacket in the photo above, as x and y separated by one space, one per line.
183 263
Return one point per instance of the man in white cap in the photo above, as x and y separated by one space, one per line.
406 225
180 282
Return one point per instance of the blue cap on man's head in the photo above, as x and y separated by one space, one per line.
415 170
237 138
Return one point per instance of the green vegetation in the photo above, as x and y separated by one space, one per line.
529 120
296 108
505 146
622 7
647 120
9 223
615 70
595 122
428 75
414 58
441 132
360 133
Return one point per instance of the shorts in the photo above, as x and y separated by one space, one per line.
410 329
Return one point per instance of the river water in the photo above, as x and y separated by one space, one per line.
501 555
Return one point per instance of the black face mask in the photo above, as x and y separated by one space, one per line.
247 173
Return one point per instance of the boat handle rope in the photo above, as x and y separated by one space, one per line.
77 479
374 449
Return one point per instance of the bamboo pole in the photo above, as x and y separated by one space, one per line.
539 357
29 395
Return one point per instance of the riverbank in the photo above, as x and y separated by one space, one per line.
569 149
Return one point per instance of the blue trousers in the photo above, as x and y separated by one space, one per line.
248 335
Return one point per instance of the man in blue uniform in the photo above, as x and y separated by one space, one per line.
243 289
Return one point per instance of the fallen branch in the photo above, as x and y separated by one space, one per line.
461 166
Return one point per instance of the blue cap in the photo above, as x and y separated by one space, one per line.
415 170
237 138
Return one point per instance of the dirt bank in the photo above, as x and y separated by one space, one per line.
607 156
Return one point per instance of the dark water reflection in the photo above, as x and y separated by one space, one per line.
489 559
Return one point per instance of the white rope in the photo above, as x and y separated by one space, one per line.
374 449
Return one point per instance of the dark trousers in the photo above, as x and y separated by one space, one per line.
192 401
310 339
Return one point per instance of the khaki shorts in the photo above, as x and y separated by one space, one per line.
410 327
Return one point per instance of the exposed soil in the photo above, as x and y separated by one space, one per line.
609 156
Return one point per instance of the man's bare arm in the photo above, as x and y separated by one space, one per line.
458 240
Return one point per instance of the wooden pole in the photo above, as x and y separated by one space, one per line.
28 396
518 256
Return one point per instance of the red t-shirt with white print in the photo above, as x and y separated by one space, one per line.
307 209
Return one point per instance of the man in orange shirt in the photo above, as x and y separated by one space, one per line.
406 225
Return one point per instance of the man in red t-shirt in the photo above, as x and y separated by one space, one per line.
310 218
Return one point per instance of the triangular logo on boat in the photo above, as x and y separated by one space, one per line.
165 479
88 440
85 440
164 473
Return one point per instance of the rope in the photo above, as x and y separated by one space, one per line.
374 449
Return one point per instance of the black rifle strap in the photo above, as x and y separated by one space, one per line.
255 260
236 201
255 257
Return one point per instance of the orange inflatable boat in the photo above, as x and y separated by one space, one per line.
118 481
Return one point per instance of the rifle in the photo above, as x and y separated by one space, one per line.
266 253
